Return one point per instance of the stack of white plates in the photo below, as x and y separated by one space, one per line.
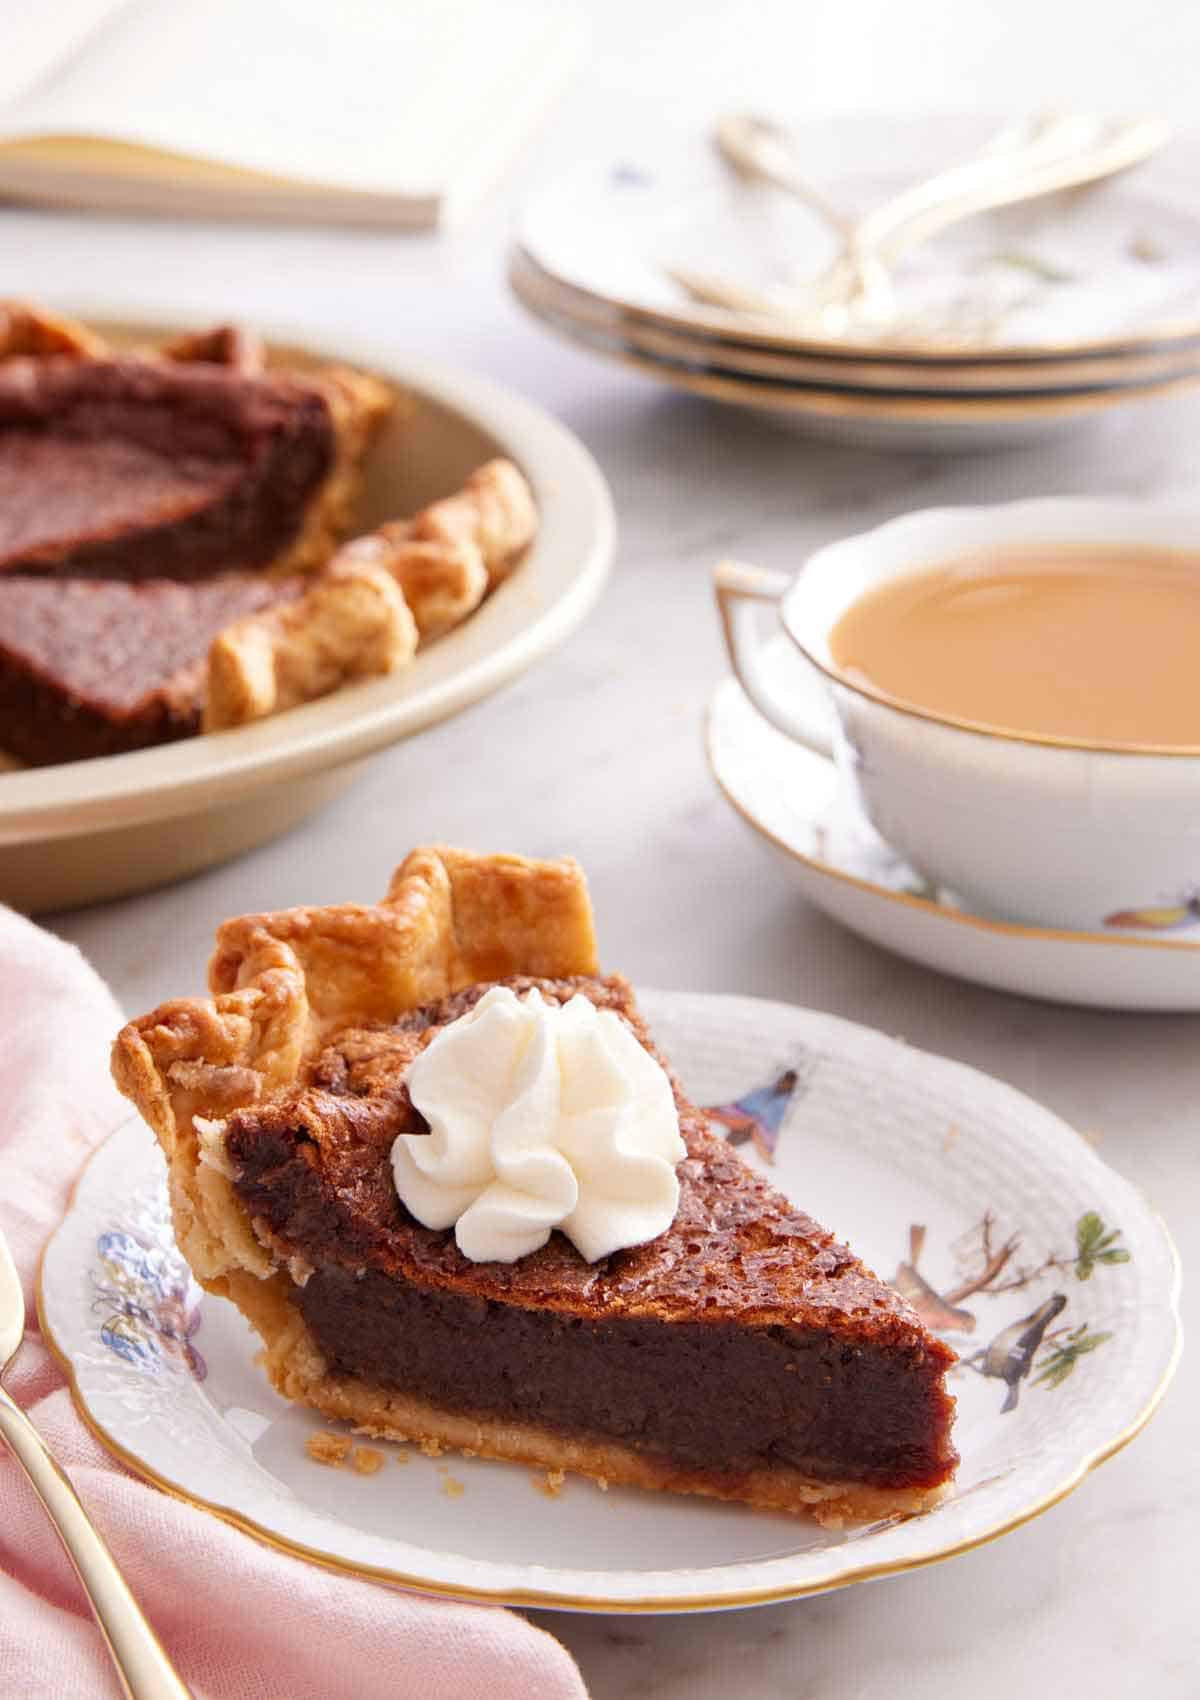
1007 326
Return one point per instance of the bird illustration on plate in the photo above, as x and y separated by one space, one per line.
758 1116
1009 1357
935 1309
990 1266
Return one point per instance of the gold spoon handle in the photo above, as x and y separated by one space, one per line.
144 1669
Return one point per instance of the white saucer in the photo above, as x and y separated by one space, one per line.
1062 1363
794 802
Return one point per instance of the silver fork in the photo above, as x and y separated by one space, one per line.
1038 158
144 1670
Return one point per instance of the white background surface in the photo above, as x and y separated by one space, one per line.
598 751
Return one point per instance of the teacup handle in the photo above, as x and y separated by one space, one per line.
739 587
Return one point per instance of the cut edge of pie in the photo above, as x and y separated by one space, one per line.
284 985
358 403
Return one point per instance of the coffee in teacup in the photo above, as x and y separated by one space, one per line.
1093 646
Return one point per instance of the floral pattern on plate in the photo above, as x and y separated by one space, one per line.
147 1304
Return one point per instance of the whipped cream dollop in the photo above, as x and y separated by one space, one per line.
541 1116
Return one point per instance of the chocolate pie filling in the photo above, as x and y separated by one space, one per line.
744 1335
95 667
143 468
707 1395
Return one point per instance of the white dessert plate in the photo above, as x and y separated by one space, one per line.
85 831
1051 1276
1107 268
795 804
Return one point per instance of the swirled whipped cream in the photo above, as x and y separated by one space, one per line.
541 1116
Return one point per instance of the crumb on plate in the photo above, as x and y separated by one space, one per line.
324 1447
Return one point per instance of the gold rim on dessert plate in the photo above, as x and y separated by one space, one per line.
822 402
723 352
925 905
551 1600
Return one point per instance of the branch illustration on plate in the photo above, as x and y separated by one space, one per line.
1065 1352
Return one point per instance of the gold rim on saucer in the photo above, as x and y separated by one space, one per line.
908 899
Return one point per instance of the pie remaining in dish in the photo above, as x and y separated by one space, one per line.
741 1353
174 463
94 667
189 481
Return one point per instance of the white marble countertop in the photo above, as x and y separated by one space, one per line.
597 751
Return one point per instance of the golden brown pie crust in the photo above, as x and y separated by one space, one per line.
381 594
30 330
284 982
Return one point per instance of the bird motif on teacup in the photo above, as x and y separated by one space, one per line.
1159 918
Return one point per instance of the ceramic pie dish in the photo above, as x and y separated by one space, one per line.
86 831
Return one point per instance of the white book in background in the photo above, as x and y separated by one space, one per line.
397 112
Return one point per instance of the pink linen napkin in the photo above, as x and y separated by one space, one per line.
239 1619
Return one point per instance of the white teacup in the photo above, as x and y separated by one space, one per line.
1046 831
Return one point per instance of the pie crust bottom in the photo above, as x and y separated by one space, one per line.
298 1371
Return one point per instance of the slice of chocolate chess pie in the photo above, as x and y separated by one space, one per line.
435 1158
